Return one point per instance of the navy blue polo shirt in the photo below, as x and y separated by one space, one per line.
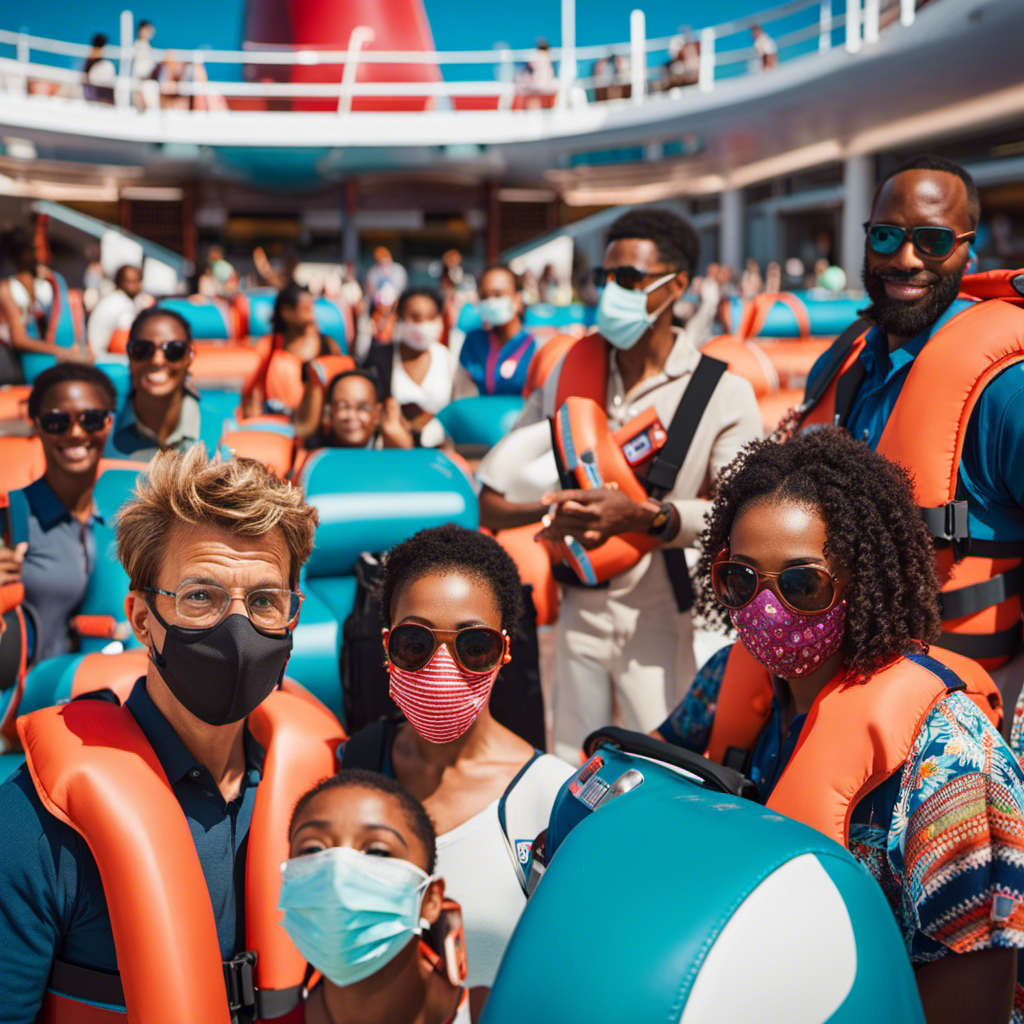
993 451
52 904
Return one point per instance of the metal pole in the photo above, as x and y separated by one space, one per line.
567 62
361 35
871 14
825 21
123 91
908 11
706 72
638 55
853 26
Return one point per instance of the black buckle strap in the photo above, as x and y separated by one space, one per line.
1004 644
974 598
950 522
240 981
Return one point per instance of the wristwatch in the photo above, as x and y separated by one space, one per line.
662 511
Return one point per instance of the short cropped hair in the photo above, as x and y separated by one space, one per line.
367 375
152 313
237 495
413 293
64 373
677 242
122 270
358 778
452 549
927 162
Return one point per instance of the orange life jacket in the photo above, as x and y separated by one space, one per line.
856 735
94 770
982 580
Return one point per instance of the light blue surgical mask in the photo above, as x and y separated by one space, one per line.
622 316
349 913
496 311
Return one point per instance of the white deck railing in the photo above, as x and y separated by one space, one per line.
45 69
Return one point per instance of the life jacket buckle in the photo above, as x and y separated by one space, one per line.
240 980
958 529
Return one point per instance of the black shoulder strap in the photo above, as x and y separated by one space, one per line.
836 357
661 477
368 747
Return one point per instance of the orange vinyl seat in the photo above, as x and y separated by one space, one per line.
275 451
746 360
793 358
21 462
775 406
13 402
534 564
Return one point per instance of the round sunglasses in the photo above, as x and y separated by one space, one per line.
141 349
928 241
410 646
58 421
808 589
625 277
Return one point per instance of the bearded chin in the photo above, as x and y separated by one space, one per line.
905 319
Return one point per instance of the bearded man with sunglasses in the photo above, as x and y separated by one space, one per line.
625 650
932 376
162 411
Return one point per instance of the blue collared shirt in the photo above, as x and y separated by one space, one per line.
131 439
61 555
52 904
993 451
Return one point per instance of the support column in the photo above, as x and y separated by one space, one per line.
493 229
858 187
732 229
349 232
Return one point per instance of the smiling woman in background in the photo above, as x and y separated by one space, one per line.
71 407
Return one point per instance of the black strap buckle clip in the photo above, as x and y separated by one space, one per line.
958 530
240 979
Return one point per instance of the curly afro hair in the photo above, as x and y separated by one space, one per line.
677 241
873 528
452 549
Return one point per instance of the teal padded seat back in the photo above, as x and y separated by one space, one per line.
543 314
676 905
331 321
108 583
828 316
372 500
33 363
469 318
208 318
482 419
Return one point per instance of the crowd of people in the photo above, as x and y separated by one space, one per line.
868 599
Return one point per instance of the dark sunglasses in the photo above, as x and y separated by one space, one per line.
141 349
625 277
476 648
58 421
931 242
801 588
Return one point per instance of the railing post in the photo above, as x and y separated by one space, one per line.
853 26
908 11
871 13
361 35
23 52
706 71
825 21
505 72
567 58
123 89
638 55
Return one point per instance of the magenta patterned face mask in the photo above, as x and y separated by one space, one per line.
787 643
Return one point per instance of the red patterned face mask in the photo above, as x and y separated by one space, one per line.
441 700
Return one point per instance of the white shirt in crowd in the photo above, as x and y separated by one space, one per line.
435 390
474 861
113 312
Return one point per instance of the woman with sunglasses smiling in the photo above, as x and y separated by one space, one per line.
817 554
71 407
450 601
161 412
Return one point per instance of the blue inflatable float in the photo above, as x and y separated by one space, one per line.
667 900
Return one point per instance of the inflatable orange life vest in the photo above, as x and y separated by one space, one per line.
856 735
982 580
95 771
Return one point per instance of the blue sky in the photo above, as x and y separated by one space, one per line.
186 23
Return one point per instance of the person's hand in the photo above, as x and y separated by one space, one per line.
393 427
10 563
75 355
592 516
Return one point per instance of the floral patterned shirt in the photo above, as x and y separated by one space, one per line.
944 837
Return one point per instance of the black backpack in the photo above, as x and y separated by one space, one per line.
516 700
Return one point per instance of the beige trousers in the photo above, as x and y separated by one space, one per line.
621 657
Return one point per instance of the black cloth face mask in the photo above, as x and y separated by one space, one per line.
223 673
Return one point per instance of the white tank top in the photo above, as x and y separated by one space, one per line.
473 859
436 390
27 309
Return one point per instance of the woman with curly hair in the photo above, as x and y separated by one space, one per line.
833 703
